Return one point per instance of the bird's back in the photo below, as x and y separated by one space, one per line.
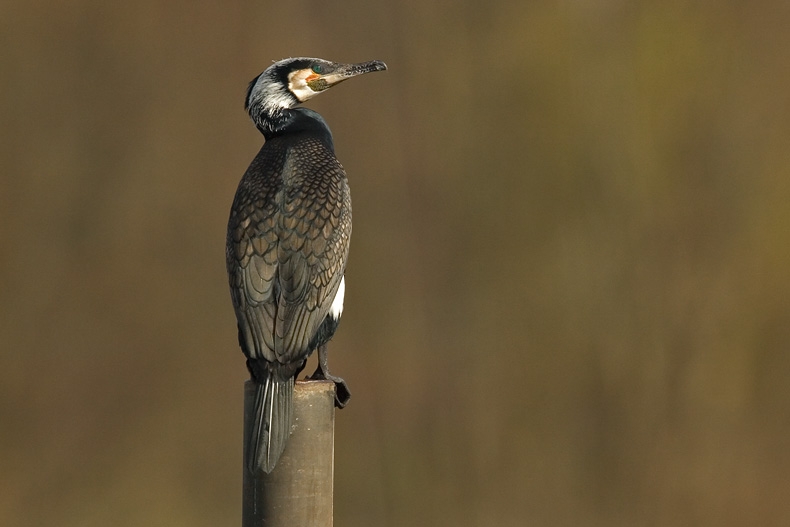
287 243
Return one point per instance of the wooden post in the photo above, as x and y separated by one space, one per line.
298 492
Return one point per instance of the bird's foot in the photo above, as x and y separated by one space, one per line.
342 393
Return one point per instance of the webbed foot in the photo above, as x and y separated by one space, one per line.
342 393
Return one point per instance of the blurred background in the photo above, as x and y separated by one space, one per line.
568 293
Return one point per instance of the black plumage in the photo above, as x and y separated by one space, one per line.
287 244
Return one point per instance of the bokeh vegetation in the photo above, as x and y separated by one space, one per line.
568 295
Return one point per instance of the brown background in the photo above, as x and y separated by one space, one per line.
568 294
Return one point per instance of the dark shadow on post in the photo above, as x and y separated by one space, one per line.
298 492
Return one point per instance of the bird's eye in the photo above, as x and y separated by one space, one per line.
318 69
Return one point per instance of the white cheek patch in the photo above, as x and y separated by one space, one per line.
297 83
336 309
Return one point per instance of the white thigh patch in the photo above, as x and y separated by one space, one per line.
336 309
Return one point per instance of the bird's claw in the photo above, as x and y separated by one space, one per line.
342 393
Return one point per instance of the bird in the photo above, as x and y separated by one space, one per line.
287 245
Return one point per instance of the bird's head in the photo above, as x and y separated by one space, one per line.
289 82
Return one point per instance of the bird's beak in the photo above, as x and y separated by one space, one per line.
343 72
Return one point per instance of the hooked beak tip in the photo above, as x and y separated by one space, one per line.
366 67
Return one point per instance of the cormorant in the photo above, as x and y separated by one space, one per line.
287 244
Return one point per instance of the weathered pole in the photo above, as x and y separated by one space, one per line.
298 492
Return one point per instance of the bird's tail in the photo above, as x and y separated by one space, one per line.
271 426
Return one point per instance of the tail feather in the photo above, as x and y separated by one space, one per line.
269 431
